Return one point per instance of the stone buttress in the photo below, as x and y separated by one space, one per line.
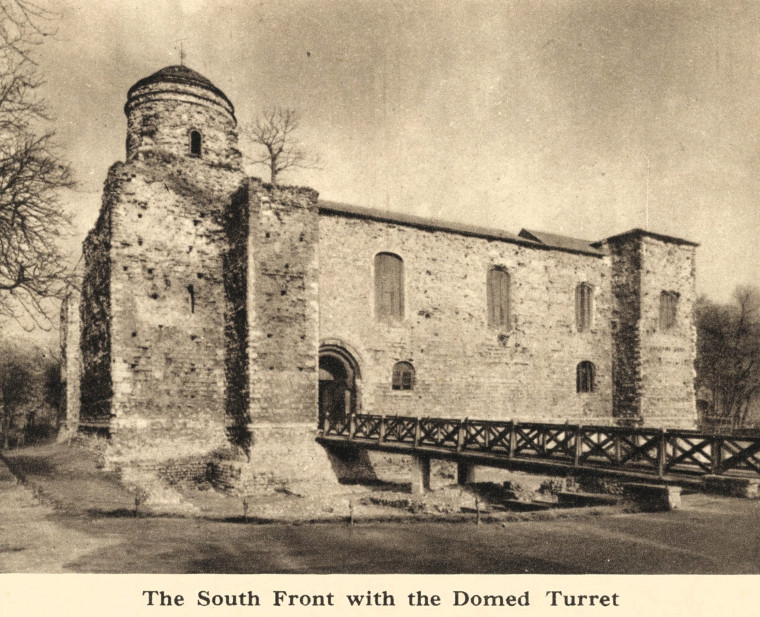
653 330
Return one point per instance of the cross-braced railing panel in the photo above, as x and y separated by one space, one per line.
500 436
367 427
558 442
739 454
336 428
609 446
638 449
400 429
688 453
439 432
476 436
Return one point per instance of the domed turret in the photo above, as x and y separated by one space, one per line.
179 112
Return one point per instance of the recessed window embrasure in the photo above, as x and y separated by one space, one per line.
403 376
195 143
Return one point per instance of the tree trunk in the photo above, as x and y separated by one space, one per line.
273 173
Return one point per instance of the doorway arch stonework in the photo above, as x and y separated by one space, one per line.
339 383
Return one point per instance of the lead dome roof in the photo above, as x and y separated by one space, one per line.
179 74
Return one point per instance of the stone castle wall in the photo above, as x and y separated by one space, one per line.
167 316
625 259
206 296
668 356
283 304
463 366
235 272
95 314
653 370
273 233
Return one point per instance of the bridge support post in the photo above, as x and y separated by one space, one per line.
420 474
465 473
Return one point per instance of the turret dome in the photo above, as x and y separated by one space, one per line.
181 75
179 112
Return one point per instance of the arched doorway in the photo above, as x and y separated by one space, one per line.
338 373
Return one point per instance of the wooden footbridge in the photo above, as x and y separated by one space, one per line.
682 457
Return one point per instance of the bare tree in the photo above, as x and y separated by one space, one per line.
274 133
728 354
32 173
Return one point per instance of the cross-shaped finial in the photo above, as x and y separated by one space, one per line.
181 54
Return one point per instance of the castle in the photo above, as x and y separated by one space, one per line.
218 313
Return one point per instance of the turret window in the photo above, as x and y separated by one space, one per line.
195 144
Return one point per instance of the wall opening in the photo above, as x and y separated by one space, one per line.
497 289
338 376
668 310
389 286
403 376
584 298
585 375
195 144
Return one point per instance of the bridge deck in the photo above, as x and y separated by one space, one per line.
672 456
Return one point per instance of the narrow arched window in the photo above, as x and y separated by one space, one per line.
403 376
585 374
497 289
389 286
668 309
195 143
584 306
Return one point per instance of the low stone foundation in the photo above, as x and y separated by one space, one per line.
286 457
749 488
154 495
651 497
351 465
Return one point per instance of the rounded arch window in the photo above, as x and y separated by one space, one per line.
403 376
585 377
584 306
498 289
389 286
196 143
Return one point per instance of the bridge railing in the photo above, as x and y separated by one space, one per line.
646 450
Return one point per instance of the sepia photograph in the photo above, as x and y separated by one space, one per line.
360 287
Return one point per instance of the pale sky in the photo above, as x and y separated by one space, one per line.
537 114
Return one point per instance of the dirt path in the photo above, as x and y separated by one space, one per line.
30 539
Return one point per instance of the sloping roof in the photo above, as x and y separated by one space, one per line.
179 74
637 233
564 242
331 207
